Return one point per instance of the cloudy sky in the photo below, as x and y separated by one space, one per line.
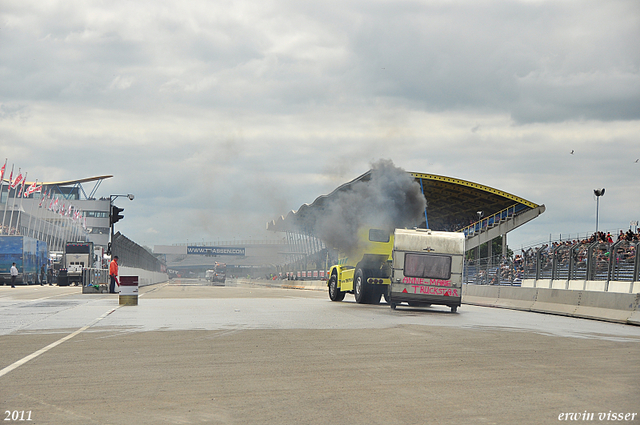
222 115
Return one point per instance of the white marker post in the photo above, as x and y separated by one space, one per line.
128 290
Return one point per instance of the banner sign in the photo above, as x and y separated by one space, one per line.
215 250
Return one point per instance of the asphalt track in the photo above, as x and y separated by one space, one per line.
195 354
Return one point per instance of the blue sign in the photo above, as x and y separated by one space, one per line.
215 250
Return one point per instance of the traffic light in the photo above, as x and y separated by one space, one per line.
116 214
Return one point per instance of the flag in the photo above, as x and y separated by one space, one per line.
11 177
24 180
17 181
31 188
2 171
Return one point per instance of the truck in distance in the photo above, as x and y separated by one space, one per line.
77 256
29 254
218 274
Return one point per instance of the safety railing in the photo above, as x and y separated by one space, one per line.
95 277
598 261
493 220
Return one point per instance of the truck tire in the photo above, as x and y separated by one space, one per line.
360 287
335 294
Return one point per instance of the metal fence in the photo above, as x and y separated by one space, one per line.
130 254
619 261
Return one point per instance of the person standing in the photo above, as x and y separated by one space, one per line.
113 274
14 275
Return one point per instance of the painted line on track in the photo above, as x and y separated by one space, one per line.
53 344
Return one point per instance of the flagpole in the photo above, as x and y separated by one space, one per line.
7 201
58 232
24 182
49 227
54 227
36 226
39 225
15 196
1 187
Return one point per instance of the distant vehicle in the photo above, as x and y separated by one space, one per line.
218 274
28 253
77 256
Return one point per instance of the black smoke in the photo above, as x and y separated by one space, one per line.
390 198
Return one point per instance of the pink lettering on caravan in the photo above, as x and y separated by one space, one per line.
420 281
430 290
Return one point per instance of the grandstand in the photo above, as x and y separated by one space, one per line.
49 215
483 213
243 258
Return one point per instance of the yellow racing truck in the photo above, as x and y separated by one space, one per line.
366 271
417 266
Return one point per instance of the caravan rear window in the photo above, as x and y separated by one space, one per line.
427 266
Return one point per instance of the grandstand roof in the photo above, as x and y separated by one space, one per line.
451 203
70 182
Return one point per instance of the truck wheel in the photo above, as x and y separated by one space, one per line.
454 308
360 287
393 306
335 294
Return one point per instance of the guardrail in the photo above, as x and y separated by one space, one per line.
598 261
493 220
612 307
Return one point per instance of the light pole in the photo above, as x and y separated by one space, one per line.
598 193
114 216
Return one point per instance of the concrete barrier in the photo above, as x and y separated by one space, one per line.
516 298
613 307
145 277
620 287
543 283
486 295
576 285
528 283
635 289
558 301
595 285
607 306
559 284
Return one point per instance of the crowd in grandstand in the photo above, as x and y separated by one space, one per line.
513 270
5 230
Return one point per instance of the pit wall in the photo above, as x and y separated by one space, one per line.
590 304
145 277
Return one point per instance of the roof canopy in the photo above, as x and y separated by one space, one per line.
451 203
